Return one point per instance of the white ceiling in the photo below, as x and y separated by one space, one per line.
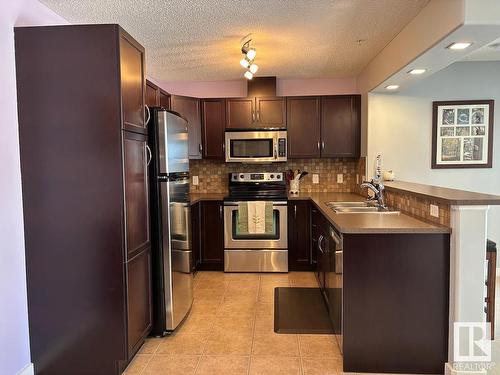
201 40
490 52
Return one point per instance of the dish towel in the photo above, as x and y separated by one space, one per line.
247 218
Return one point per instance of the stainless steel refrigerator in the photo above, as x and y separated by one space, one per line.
170 220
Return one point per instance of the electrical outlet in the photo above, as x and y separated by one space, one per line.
196 180
315 178
357 178
340 178
434 210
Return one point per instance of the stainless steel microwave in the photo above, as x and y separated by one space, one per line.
256 146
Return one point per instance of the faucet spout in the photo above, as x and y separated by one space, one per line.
377 189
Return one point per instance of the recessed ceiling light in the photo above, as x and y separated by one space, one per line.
392 87
417 71
459 45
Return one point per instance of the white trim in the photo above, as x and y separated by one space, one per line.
29 369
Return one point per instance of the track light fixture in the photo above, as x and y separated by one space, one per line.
246 62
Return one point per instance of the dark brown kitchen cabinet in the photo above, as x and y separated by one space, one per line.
303 125
164 99
299 236
240 113
252 113
189 108
136 192
152 94
211 236
195 235
140 315
85 203
132 84
340 126
212 126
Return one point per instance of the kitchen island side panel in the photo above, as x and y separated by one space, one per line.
396 297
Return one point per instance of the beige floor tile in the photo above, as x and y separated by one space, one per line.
171 365
224 343
243 284
183 344
223 365
275 365
236 276
238 324
237 307
211 284
264 324
200 324
264 309
150 345
205 307
304 284
138 364
275 344
243 294
325 366
266 295
274 277
318 346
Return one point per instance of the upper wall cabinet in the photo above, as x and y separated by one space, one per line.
132 84
213 122
303 125
190 109
164 99
249 113
156 97
340 126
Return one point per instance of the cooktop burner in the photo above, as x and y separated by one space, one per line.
257 186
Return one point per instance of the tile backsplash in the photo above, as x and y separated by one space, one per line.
213 174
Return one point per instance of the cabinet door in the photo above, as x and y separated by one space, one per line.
132 84
303 125
240 113
136 193
299 236
152 99
195 235
139 304
190 109
164 99
213 124
340 126
270 112
211 235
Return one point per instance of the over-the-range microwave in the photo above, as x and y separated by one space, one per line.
265 146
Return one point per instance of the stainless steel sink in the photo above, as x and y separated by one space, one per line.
358 207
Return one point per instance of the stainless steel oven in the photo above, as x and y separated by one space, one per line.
258 252
256 146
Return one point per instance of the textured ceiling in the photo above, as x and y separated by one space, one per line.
201 40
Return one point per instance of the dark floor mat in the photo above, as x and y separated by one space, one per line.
300 310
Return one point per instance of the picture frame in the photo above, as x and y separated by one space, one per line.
462 134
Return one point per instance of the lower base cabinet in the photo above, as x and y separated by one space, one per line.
211 235
140 318
300 252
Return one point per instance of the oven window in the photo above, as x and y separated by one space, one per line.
273 235
251 148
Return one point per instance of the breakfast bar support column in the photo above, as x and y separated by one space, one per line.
467 273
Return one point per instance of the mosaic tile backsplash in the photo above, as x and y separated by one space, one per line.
213 174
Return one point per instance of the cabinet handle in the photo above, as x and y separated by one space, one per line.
150 155
295 210
322 145
148 117
318 146
220 212
253 116
200 147
320 239
258 116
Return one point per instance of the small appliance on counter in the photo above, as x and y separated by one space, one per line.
255 223
170 216
256 146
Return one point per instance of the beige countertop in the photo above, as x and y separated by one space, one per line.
353 222
367 222
445 195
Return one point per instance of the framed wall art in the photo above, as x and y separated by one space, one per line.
462 134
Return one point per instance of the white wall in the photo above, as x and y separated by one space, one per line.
400 128
14 338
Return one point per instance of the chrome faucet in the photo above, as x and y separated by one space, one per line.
378 190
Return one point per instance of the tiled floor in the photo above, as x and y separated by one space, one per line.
230 331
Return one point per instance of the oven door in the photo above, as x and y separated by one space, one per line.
277 239
254 146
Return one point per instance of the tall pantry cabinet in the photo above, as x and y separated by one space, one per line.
82 129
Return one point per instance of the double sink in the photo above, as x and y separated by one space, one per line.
359 207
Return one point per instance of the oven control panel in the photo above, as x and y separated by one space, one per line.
256 177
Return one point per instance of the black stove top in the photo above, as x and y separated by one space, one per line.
256 186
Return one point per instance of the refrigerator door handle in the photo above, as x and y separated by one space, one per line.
150 155
148 115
